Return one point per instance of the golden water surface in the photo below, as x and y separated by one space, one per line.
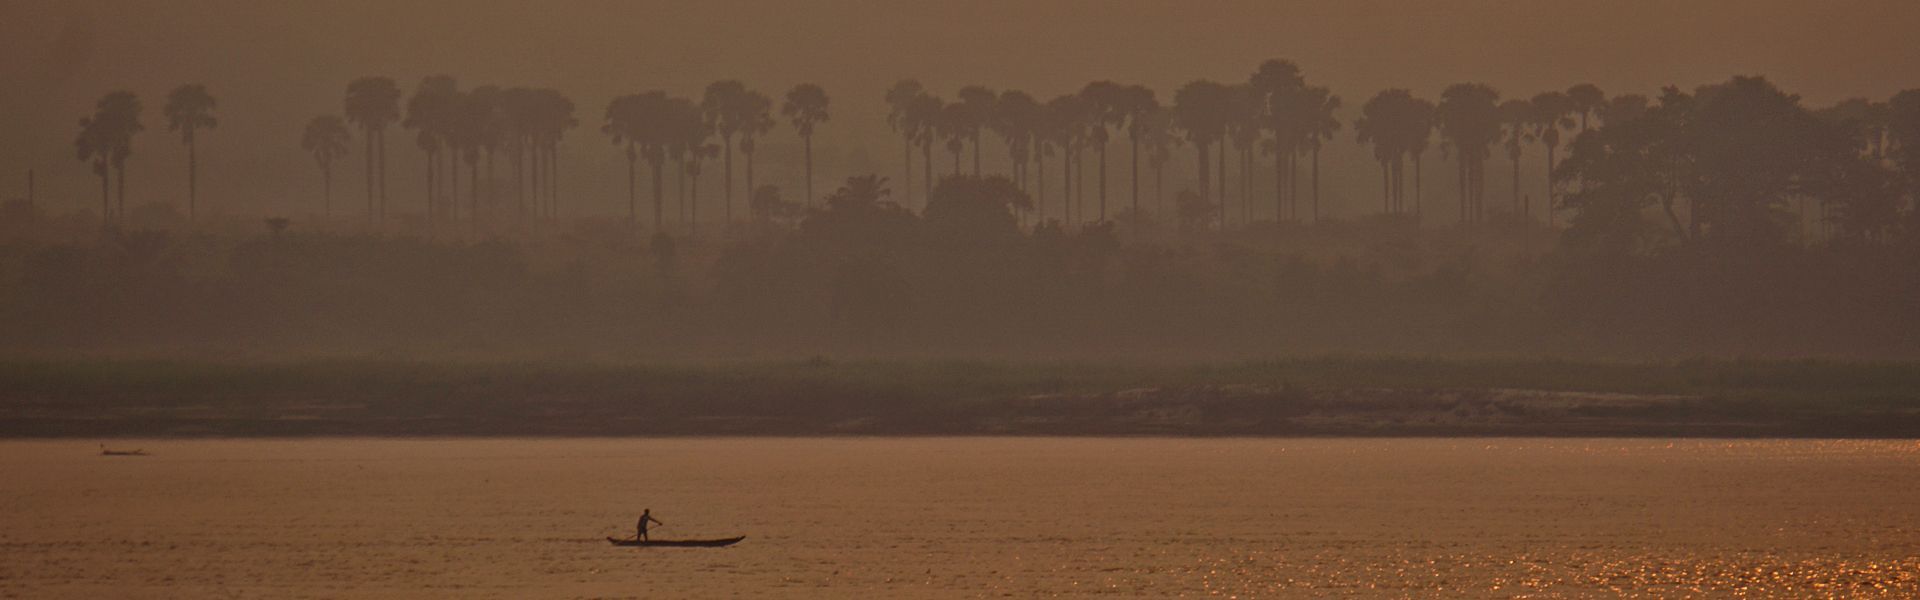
894 518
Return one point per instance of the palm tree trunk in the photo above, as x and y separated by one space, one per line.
473 192
1316 183
926 163
809 143
452 193
633 209
1200 148
121 188
1103 181
326 186
368 133
1223 183
383 174
1416 189
1040 183
726 200
1279 182
553 181
106 199
1518 205
750 187
906 159
976 154
1135 142
193 178
1550 199
433 164
1387 189
659 199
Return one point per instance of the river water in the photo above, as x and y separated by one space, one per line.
939 518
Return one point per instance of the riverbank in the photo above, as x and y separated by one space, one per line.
1306 397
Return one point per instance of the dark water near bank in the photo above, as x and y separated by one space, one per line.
978 517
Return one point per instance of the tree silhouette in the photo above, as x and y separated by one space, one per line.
1137 106
1279 104
901 117
722 107
189 109
757 109
623 123
924 118
1321 125
431 112
1517 120
1069 119
326 139
1469 120
553 116
1200 110
1105 102
1587 100
1156 133
373 103
975 109
107 138
1016 116
1551 113
94 145
805 107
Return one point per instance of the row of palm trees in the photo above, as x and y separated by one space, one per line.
1275 112
656 126
105 140
452 127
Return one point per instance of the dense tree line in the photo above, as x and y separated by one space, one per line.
1728 218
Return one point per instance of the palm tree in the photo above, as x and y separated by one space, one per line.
1587 100
1417 136
721 105
552 117
955 126
326 139
623 118
1104 100
1379 126
1156 133
1015 118
757 119
806 106
1200 110
1136 105
1068 118
189 109
1469 119
924 119
975 109
900 116
373 103
1551 112
516 106
1276 91
1321 124
94 145
1517 119
430 111
116 119
484 125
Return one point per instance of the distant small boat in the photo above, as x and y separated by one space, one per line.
678 543
136 452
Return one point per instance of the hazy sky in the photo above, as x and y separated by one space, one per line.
273 65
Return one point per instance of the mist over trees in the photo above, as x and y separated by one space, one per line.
1731 218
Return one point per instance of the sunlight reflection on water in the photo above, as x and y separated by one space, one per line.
1506 518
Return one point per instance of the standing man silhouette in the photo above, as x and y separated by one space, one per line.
646 515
